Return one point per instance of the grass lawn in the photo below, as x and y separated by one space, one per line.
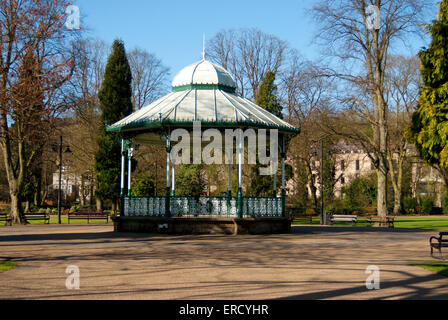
7 265
429 223
437 267
64 220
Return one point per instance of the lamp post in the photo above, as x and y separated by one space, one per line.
322 213
323 217
60 181
60 177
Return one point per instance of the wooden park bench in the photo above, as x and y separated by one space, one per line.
34 216
298 216
5 218
382 221
439 243
88 214
343 218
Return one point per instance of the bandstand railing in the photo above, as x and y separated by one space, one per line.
212 207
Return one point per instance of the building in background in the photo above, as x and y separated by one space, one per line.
351 161
75 188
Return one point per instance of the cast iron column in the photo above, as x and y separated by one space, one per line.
60 181
123 165
130 152
173 182
123 172
240 175
283 177
168 174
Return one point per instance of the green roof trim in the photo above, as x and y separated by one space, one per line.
144 125
204 87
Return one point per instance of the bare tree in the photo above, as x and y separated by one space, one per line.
360 35
82 95
149 78
247 54
34 66
403 78
305 94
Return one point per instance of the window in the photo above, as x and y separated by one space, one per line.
357 165
343 165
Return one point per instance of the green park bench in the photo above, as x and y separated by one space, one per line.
301 216
88 214
438 243
382 221
34 216
5 218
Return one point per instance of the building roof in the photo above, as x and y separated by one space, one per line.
203 73
202 92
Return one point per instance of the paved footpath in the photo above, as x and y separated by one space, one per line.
310 263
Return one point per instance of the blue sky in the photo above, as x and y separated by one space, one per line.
173 29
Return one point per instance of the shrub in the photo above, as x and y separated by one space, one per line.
74 208
370 210
330 208
445 203
410 205
338 207
426 204
361 192
190 181
143 186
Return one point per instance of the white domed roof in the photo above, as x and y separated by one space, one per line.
203 73
202 92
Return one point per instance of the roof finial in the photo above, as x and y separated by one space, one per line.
203 47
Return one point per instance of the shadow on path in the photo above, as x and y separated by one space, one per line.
415 292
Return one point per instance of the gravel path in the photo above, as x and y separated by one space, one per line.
310 263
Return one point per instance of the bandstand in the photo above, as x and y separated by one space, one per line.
202 93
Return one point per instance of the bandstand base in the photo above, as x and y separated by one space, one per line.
184 226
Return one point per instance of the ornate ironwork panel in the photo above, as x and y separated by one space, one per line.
253 207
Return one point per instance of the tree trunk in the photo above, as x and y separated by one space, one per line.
44 197
398 208
115 206
38 193
396 177
99 204
92 193
381 141
16 210
382 193
312 184
81 193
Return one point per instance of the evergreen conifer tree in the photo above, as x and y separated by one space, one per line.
116 103
267 99
429 130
